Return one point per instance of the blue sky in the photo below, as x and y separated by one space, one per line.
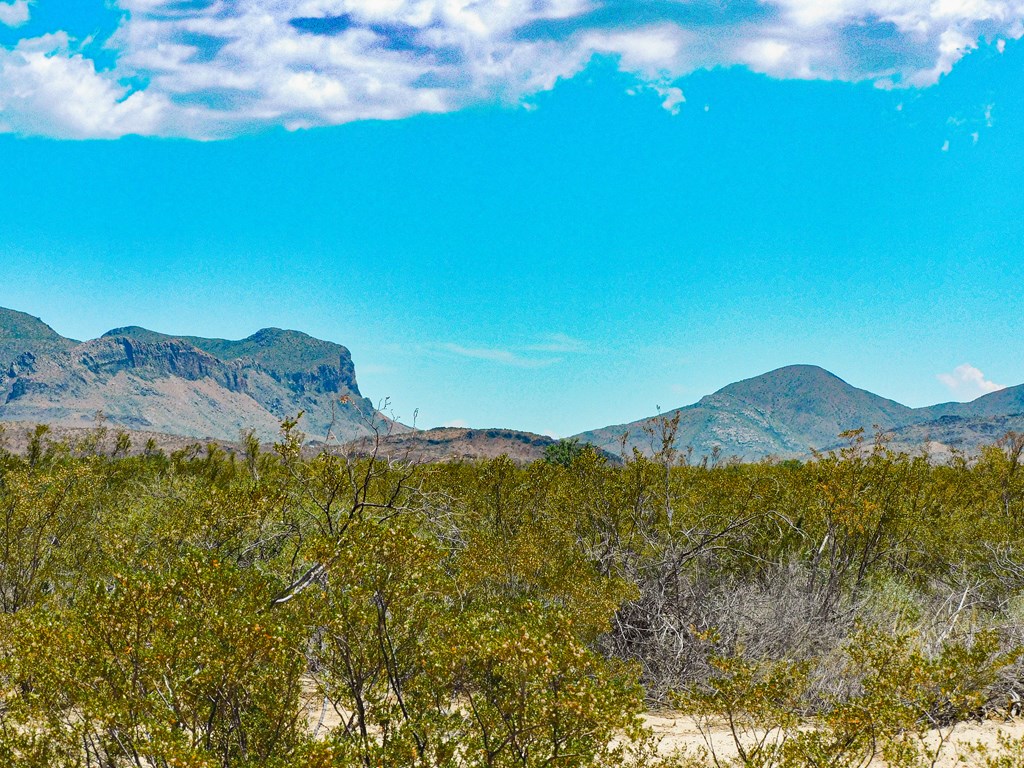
547 215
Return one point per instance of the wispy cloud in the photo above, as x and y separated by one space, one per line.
548 350
558 343
967 382
972 123
498 355
213 69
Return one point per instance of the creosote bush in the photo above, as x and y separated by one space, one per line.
209 608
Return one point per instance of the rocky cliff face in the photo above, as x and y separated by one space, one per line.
111 355
180 385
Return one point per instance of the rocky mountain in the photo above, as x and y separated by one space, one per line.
190 386
791 411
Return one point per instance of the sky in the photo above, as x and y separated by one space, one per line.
552 215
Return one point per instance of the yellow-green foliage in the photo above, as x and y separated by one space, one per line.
267 609
901 704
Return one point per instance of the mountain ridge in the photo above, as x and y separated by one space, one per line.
184 385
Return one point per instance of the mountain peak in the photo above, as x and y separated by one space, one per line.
281 349
787 383
136 332
274 335
789 374
20 326
813 403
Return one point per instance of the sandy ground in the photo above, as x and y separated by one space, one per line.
679 732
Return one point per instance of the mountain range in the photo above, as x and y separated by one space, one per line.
215 388
180 385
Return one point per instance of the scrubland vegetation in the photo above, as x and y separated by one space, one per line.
265 609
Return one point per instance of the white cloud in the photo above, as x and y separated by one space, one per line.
457 423
14 14
671 96
966 382
673 99
953 44
945 146
47 88
650 51
226 67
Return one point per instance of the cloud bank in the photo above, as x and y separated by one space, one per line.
966 382
216 68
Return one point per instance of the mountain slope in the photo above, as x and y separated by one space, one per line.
180 385
1009 401
942 437
457 444
786 413
23 338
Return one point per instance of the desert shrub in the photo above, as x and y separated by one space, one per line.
898 702
194 608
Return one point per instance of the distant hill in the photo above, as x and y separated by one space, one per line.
789 412
458 443
461 444
189 386
1002 403
103 438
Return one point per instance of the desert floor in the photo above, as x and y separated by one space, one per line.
680 732
676 732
